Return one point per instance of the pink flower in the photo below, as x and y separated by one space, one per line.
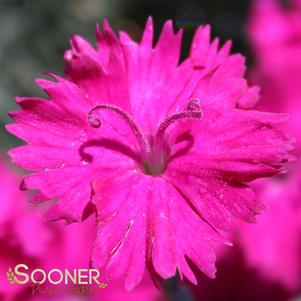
272 246
10 198
22 235
278 62
17 220
163 150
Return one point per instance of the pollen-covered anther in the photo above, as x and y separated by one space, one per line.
193 111
95 121
193 105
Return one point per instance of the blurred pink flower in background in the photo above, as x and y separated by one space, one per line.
23 236
275 36
273 245
167 179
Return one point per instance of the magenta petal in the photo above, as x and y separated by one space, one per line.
200 46
147 38
145 219
71 185
81 47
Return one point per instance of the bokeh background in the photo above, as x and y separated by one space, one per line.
265 264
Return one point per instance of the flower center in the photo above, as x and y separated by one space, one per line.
155 150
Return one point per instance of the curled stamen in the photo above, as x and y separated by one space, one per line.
95 121
193 111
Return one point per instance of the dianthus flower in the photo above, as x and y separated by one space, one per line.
162 149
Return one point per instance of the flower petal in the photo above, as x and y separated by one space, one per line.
144 219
